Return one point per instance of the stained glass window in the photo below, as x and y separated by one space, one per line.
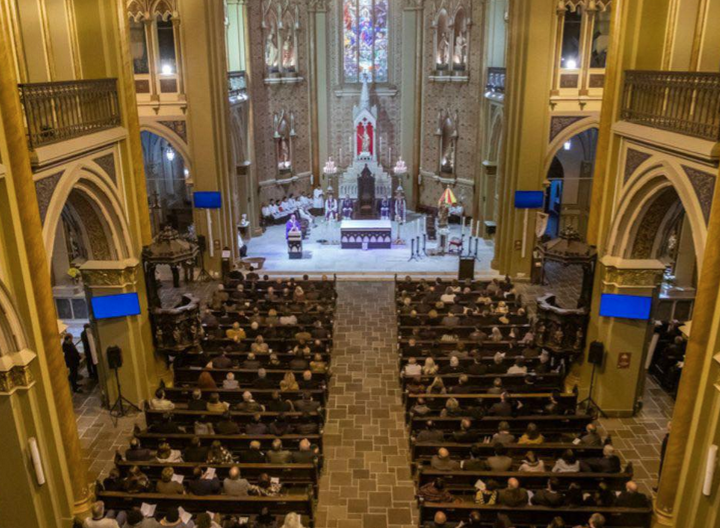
365 40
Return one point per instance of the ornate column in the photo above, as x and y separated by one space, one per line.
620 380
561 10
251 170
30 231
137 375
152 61
419 7
314 8
179 70
586 46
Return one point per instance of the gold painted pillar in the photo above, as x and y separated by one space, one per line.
151 44
18 163
138 374
620 380
313 9
530 65
179 68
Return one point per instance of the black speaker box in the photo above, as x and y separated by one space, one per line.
466 269
202 246
114 357
596 353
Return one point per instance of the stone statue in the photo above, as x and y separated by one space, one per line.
444 49
284 154
365 141
450 156
460 46
271 52
288 53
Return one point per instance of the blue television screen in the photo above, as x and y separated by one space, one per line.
207 200
120 305
529 199
625 306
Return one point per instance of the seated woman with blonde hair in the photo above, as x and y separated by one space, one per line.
289 383
430 368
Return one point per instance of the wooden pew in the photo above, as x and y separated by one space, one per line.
529 401
548 425
243 376
184 394
538 515
463 482
234 443
245 506
186 417
553 450
290 474
511 382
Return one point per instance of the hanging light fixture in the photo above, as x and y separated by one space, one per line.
567 145
167 69
170 154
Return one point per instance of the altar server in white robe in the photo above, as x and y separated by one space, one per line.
304 214
318 198
292 203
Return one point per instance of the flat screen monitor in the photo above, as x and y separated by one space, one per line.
207 200
120 305
625 306
529 199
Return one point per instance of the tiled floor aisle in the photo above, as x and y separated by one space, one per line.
366 482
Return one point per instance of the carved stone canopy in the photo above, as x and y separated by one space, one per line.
568 248
169 248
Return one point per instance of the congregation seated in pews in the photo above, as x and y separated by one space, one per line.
239 432
495 441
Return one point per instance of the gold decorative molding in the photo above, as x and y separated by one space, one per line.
103 274
15 372
646 278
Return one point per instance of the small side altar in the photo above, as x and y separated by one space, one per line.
372 234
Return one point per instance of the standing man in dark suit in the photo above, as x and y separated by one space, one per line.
88 349
72 360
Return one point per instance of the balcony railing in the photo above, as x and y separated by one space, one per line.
58 111
496 81
237 85
684 102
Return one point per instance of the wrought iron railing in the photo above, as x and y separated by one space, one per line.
684 102
496 81
237 84
58 111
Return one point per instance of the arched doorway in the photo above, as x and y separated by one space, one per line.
168 178
569 188
661 220
85 222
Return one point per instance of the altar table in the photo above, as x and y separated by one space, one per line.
376 234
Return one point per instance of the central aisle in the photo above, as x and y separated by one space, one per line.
366 482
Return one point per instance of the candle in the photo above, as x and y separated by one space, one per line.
390 157
351 146
462 231
340 158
